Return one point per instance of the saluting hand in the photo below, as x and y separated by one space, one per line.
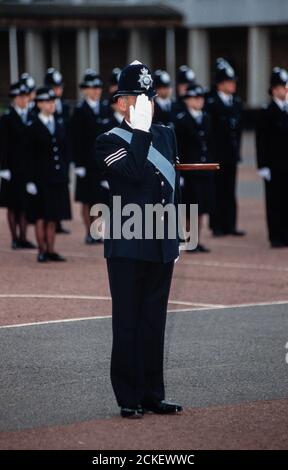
141 114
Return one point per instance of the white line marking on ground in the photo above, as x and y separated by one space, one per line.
208 264
94 297
187 310
215 264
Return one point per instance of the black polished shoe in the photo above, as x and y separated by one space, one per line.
42 258
26 244
92 241
279 244
162 407
16 244
62 230
203 249
219 233
132 413
237 233
55 257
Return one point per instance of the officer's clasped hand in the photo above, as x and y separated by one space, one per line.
265 173
141 114
31 188
5 174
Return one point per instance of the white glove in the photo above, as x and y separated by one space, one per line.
141 114
80 171
31 188
5 174
265 173
104 184
182 182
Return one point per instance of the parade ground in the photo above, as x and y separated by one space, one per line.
226 337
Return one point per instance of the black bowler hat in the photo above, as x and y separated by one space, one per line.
91 80
224 71
45 94
53 78
18 89
162 79
279 76
185 75
115 75
28 80
134 80
194 91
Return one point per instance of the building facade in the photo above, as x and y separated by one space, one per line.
76 34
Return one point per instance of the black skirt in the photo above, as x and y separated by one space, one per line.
13 193
51 203
198 189
89 191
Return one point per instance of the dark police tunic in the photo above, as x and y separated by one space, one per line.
195 146
140 271
47 168
163 114
85 127
14 150
272 152
226 127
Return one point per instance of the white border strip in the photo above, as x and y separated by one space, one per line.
187 310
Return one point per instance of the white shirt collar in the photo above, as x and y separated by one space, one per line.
226 98
195 113
280 103
46 119
93 104
20 111
163 102
118 116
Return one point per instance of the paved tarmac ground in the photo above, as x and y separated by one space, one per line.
226 338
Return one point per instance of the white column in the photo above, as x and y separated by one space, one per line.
94 55
259 64
134 46
13 54
35 57
199 55
55 51
171 53
82 62
139 46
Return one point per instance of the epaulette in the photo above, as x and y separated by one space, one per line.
180 115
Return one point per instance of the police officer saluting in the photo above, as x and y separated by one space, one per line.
193 131
271 139
140 270
226 113
88 121
14 151
47 169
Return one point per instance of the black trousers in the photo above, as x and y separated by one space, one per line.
140 291
276 195
224 209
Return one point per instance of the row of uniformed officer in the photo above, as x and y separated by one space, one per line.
225 109
47 174
14 151
195 143
90 118
140 270
271 139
